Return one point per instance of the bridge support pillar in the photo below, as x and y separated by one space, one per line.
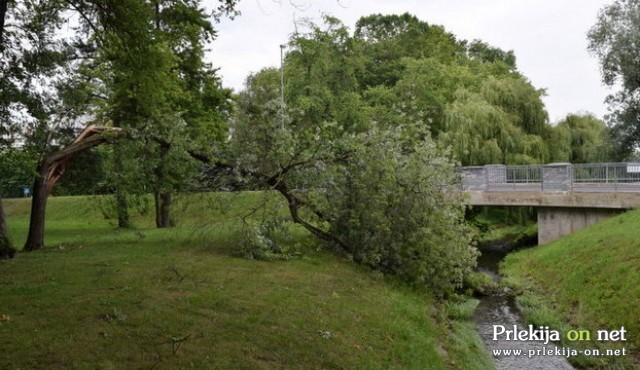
555 222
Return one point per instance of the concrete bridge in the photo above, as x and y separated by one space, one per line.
568 197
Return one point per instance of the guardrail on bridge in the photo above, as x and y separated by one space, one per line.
589 177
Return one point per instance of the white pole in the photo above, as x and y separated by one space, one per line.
282 46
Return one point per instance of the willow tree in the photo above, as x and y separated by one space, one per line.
466 94
581 138
356 147
373 196
477 131
502 121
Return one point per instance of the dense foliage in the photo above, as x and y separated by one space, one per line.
615 40
371 186
364 145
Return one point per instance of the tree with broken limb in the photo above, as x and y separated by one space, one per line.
29 60
146 60
51 169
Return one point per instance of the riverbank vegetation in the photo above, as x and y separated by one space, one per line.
514 225
585 281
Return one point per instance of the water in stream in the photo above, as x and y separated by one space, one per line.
500 309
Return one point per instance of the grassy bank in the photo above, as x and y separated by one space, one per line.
101 298
589 280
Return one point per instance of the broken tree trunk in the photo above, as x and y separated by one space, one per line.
49 171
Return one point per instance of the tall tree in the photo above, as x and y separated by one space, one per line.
202 103
581 138
101 19
615 41
129 79
176 96
320 75
389 38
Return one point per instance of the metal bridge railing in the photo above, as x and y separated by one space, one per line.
515 178
606 177
552 177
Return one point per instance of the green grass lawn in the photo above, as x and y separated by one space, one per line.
180 298
589 280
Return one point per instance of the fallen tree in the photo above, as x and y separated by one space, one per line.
376 196
372 197
52 168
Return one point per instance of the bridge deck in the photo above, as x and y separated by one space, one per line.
593 177
572 199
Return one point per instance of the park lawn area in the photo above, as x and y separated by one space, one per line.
589 280
181 298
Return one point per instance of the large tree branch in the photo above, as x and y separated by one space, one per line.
55 164
276 183
294 204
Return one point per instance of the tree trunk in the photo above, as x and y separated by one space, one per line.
122 205
6 250
162 193
35 238
163 209
122 208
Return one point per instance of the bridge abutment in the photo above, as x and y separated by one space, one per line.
556 222
568 197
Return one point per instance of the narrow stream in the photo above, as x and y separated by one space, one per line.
499 309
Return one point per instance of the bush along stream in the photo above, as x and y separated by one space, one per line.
511 343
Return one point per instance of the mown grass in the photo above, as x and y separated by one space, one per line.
101 298
589 280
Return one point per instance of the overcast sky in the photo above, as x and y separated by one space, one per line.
547 36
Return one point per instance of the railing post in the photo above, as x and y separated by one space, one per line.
496 175
473 178
557 177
